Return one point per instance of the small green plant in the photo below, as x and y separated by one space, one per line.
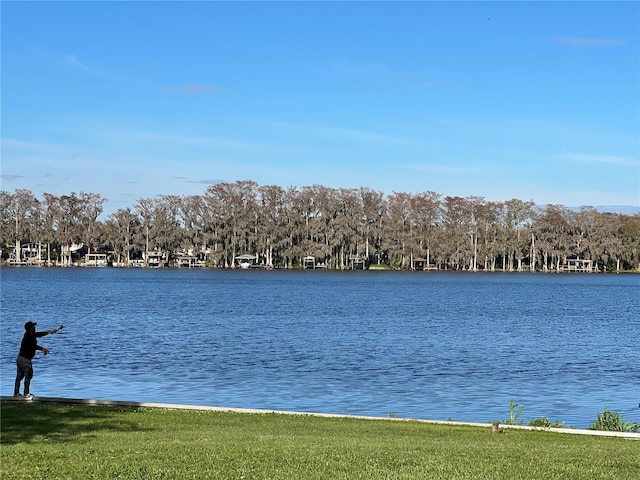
545 422
513 414
613 422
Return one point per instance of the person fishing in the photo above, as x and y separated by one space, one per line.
28 349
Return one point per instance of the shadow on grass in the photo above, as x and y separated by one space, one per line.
24 422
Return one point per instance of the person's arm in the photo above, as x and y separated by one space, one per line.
47 332
44 350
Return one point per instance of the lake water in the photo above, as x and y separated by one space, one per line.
429 345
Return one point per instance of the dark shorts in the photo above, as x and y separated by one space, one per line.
25 367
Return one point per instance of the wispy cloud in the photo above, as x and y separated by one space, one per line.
11 178
180 140
193 89
206 181
12 146
606 159
589 41
75 62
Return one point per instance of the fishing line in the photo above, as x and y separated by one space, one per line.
80 318
85 315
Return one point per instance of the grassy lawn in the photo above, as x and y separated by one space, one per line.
56 441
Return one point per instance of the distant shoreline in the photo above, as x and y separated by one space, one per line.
375 268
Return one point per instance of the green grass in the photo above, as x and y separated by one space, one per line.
56 441
380 266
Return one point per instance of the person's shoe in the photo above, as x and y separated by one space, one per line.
17 395
27 396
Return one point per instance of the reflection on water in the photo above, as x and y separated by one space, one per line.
420 344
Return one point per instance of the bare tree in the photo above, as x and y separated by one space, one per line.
325 232
121 228
374 209
90 208
22 210
191 213
348 227
144 208
69 226
398 234
168 225
489 233
426 209
272 215
630 235
460 232
518 220
552 233
7 223
232 219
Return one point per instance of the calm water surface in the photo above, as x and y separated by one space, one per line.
420 344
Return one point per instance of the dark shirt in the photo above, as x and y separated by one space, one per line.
29 344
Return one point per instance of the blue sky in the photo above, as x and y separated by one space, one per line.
531 100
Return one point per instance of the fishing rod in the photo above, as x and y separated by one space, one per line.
85 315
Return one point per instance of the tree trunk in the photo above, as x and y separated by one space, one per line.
475 253
532 254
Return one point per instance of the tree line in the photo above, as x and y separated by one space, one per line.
280 227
